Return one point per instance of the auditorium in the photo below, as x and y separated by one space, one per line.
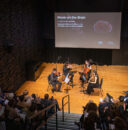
63 65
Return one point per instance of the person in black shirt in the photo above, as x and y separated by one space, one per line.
66 68
67 72
93 83
54 80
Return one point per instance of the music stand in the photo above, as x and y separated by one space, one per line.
67 80
82 82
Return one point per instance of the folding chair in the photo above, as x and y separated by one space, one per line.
100 87
49 84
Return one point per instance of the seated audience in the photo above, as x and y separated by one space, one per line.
111 114
17 111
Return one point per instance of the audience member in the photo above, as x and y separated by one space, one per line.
16 111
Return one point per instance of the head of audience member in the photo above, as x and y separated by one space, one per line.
121 98
91 121
85 107
46 96
25 93
10 96
52 98
108 98
21 98
34 96
115 110
120 124
12 103
91 107
101 100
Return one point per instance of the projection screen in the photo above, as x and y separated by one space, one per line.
88 30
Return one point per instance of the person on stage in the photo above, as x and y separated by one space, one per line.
54 80
93 83
67 72
87 69
85 75
87 64
66 68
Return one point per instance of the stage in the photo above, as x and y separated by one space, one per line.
115 81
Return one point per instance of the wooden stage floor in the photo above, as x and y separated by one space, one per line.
115 81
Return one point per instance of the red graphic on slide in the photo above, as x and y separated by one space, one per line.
102 26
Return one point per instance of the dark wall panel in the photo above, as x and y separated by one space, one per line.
121 56
19 41
78 56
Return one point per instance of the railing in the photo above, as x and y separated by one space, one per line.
44 114
63 104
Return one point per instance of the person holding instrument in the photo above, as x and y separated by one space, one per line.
87 69
93 82
85 75
54 80
67 72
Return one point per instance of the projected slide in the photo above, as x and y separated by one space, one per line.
88 30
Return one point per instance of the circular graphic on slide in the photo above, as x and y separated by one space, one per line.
102 26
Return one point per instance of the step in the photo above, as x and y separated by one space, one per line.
68 123
60 121
65 118
51 128
62 126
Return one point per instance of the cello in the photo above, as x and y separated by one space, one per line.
86 71
84 76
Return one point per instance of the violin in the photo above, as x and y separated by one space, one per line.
57 73
86 70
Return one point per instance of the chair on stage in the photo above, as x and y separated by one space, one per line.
100 87
49 84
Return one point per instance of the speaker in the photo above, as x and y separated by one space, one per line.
32 70
8 45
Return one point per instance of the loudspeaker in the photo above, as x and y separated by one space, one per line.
32 70
8 45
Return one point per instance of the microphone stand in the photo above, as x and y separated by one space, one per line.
58 58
